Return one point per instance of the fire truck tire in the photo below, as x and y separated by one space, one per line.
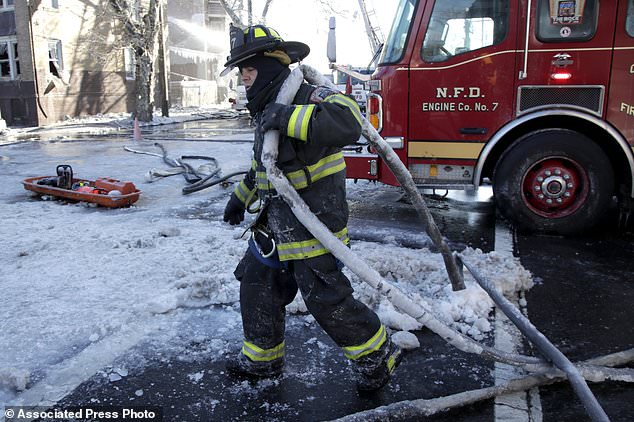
556 181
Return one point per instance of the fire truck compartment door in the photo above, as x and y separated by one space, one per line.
569 56
621 99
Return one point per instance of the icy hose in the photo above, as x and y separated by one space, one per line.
540 341
421 312
596 370
206 176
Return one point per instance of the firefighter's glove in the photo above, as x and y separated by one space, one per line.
234 211
274 117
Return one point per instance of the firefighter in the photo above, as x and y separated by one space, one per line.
283 255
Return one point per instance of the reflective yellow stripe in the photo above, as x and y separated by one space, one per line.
258 354
263 181
308 248
460 150
372 345
391 361
251 199
347 102
243 192
324 167
274 33
259 32
328 165
299 122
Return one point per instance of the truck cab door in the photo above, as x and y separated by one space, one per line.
462 74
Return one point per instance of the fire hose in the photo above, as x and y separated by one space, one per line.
421 312
195 177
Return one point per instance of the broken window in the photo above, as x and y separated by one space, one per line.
55 62
5 66
9 60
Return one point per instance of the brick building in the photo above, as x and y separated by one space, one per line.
57 59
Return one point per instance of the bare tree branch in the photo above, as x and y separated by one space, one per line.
328 7
236 8
265 10
231 11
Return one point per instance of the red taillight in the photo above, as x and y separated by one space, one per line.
374 110
373 105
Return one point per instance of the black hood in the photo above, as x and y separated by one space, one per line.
268 69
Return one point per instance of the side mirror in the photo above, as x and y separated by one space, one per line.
331 49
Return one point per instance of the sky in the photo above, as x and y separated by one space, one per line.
83 285
306 21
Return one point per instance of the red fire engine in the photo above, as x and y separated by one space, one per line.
533 96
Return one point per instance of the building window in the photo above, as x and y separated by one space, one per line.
9 60
55 62
130 63
53 4
6 4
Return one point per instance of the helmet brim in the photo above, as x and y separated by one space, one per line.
296 51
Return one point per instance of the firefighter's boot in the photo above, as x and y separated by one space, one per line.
241 366
375 369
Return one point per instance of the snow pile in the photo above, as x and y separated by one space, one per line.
420 273
14 379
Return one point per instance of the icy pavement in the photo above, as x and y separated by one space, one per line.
104 124
82 285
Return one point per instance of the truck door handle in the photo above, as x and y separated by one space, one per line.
473 130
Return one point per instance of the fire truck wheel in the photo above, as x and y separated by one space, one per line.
554 181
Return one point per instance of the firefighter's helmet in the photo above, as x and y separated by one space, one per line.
260 39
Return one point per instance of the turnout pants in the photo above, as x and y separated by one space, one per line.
265 292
